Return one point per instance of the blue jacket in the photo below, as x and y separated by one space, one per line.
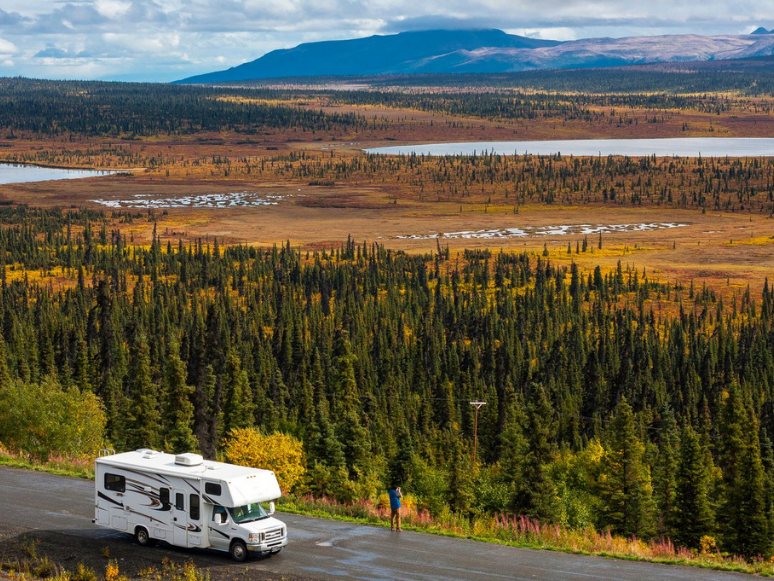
395 497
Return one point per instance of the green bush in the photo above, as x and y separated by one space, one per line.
43 419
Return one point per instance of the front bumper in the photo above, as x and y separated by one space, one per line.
270 547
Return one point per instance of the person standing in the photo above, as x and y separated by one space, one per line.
395 496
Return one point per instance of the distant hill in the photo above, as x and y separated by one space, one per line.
426 51
485 51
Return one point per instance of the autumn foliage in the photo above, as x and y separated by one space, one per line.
281 453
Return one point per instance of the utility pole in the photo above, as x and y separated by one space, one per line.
477 405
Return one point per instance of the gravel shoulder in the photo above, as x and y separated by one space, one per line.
67 549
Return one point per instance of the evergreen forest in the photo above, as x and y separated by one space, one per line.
613 400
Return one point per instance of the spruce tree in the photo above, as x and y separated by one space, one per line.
399 469
460 490
143 432
326 447
238 407
665 473
178 409
692 517
206 423
767 458
536 493
742 512
5 376
625 487
514 449
351 430
747 531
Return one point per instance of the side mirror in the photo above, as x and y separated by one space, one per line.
222 518
271 508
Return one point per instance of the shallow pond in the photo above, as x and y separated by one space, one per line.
682 147
17 174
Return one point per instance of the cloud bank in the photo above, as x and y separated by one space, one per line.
170 39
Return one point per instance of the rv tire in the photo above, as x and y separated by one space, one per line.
143 538
238 551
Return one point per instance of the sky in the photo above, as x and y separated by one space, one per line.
164 40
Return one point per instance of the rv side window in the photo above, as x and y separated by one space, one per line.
179 501
212 488
164 497
115 482
194 506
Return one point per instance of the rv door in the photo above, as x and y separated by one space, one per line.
179 520
219 528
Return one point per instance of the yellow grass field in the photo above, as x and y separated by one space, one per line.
719 247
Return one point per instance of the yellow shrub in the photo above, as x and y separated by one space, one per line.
708 545
280 453
111 571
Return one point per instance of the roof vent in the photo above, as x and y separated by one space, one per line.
188 459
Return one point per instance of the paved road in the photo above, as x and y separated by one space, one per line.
332 550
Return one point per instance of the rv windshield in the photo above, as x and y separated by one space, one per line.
247 513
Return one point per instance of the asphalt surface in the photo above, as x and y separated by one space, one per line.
61 508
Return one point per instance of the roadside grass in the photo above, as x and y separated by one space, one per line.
29 565
523 532
508 530
78 467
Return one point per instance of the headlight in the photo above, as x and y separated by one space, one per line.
255 537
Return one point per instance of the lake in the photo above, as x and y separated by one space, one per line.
17 174
682 147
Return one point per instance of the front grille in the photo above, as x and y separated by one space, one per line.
273 535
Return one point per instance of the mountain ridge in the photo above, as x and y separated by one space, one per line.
484 51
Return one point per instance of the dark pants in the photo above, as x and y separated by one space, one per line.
395 518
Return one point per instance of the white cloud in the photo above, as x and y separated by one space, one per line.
555 33
143 44
112 8
7 47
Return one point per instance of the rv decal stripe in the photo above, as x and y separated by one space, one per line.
150 518
212 530
153 497
196 490
157 477
105 497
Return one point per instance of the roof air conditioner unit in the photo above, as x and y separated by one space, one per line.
189 459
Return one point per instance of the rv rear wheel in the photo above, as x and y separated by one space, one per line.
143 538
238 551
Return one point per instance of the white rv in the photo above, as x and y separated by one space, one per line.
188 502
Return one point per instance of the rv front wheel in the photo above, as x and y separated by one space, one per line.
142 537
238 551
